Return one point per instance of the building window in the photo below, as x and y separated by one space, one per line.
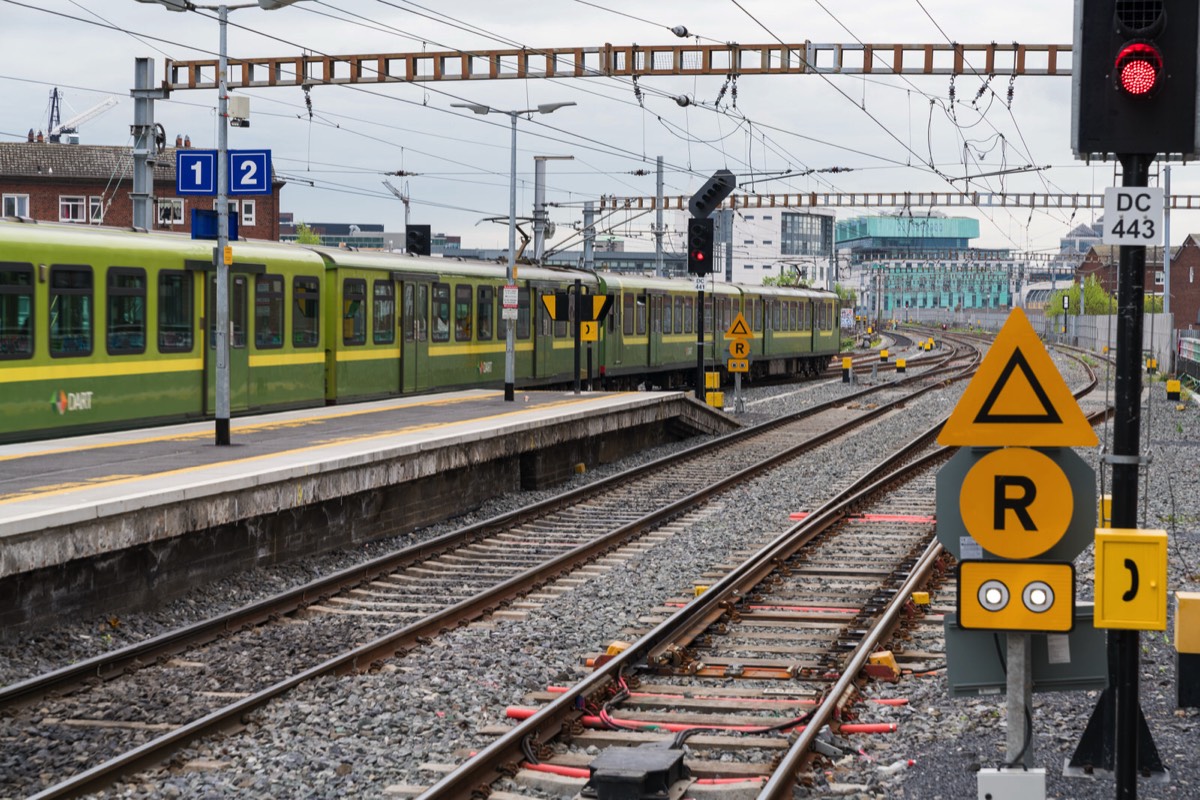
748 217
174 312
767 241
16 205
747 241
72 208
384 312
268 311
170 211
1158 277
126 310
248 209
96 209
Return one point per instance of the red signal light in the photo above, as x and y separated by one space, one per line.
1138 67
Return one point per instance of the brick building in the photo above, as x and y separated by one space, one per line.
1101 261
92 184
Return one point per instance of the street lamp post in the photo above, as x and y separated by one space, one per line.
511 271
223 253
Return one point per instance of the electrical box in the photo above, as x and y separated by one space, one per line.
1012 784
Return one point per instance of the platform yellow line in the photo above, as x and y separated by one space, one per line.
251 427
31 494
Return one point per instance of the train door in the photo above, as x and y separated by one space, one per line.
654 334
239 352
544 332
414 347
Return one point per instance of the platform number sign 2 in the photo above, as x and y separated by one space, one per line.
249 171
1133 215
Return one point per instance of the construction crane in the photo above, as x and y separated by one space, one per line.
57 129
404 198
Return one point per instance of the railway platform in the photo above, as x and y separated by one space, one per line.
123 520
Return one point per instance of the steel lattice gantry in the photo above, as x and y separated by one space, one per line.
611 60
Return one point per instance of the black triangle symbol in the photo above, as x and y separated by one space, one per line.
1050 417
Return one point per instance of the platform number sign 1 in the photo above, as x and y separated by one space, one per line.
1133 215
195 172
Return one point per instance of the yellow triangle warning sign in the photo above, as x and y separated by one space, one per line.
1017 398
739 328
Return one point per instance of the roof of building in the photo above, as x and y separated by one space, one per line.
78 161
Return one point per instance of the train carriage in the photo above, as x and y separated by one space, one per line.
101 327
104 328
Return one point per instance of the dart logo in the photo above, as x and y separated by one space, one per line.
62 402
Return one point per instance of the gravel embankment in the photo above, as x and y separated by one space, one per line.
356 736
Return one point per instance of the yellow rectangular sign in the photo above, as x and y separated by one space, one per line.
738 365
1016 596
1131 579
589 331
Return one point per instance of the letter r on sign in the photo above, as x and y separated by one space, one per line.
1018 504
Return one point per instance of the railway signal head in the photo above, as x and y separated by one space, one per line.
1134 78
417 239
700 246
718 187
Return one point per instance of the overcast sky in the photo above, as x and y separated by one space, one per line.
885 130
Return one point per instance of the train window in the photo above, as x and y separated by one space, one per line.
775 315
522 313
640 311
667 308
793 316
627 325
306 312
441 312
561 329
726 314
126 320
758 314
383 312
484 310
268 311
678 315
70 311
354 311
708 314
175 311
462 312
421 320
689 314
16 310
238 292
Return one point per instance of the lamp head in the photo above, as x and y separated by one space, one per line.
546 108
478 108
171 5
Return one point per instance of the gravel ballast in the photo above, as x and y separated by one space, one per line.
356 736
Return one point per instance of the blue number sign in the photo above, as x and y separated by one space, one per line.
249 171
195 172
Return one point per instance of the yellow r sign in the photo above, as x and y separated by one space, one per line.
1016 502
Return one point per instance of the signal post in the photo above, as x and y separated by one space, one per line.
1134 86
700 252
1015 507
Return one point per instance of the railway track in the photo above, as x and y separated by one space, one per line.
750 672
118 713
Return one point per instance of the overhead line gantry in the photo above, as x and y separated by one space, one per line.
627 61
